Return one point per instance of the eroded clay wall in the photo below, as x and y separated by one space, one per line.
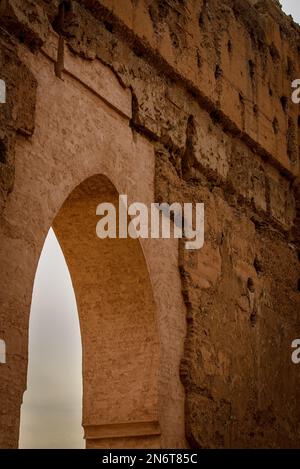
211 91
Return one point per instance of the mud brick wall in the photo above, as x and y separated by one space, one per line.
211 90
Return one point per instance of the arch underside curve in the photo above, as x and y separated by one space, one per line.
117 320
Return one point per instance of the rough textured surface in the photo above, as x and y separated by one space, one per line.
17 116
82 141
27 20
203 87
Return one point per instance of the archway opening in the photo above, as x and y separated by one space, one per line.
117 316
51 413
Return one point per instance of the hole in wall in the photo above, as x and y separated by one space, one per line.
253 318
108 26
284 103
198 57
68 5
258 265
201 20
275 126
218 72
251 65
3 152
250 285
274 52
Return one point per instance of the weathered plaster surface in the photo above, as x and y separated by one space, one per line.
171 101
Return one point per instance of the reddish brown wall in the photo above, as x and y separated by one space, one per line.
210 88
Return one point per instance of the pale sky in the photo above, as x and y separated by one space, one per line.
51 412
292 7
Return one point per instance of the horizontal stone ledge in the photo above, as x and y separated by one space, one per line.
121 430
